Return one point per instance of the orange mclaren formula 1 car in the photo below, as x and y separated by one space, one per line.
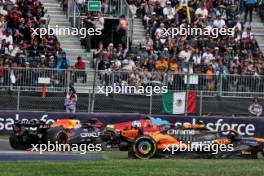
70 131
195 141
122 134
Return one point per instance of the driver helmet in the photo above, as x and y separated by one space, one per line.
187 125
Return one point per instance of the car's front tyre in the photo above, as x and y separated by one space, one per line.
144 147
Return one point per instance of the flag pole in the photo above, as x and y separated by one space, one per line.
187 90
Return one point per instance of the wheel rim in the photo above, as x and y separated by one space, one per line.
62 138
144 147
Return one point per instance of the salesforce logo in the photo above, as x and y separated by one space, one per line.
242 128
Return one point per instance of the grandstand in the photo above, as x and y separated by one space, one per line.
132 50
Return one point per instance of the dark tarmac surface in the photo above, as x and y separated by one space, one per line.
8 154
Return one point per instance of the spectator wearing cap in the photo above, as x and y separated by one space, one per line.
208 56
51 62
201 12
111 50
248 35
237 23
221 12
121 52
147 42
165 53
186 53
42 63
9 39
143 53
255 108
160 30
219 22
128 64
115 63
197 57
169 11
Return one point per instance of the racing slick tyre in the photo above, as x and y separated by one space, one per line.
144 147
123 146
58 135
111 137
260 154
130 153
16 144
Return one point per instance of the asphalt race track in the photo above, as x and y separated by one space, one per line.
8 154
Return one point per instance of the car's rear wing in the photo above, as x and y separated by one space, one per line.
30 123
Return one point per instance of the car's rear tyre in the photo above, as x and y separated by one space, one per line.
261 154
130 153
57 135
111 137
123 146
144 147
16 144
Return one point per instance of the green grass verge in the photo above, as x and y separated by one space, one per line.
4 137
126 167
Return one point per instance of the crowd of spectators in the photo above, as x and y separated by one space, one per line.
149 59
235 54
21 47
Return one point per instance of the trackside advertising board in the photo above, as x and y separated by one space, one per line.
246 126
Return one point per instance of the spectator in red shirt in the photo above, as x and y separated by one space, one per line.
80 67
80 64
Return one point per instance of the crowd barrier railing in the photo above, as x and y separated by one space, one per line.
62 79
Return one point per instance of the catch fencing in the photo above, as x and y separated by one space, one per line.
60 80
22 89
121 103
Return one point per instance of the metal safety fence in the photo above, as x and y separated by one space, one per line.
122 103
33 79
222 85
22 89
59 80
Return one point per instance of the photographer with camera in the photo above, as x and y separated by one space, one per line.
255 108
70 101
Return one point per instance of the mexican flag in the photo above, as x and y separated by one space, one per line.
174 103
